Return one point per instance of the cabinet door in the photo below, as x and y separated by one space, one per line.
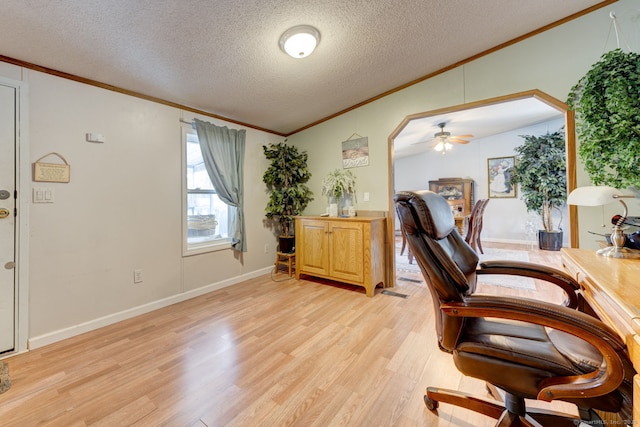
346 250
312 249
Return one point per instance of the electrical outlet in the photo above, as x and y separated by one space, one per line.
266 248
137 276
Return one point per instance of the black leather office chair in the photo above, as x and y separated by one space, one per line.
527 348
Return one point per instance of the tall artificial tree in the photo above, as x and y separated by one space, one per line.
541 171
286 179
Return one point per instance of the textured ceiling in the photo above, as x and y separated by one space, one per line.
222 56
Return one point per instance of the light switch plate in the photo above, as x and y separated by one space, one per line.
42 195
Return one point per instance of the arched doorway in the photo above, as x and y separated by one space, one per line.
474 110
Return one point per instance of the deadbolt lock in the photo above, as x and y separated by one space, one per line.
4 213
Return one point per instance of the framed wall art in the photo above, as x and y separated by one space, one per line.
355 152
499 171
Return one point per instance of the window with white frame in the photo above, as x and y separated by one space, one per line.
206 216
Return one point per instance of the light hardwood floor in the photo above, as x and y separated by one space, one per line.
262 353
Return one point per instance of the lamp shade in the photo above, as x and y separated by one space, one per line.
299 41
593 195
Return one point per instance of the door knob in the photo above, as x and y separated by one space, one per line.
4 194
4 213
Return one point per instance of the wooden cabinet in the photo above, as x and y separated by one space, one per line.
459 193
349 250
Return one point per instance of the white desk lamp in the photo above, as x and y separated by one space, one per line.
602 195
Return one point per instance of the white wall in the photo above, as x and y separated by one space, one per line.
121 211
551 62
505 220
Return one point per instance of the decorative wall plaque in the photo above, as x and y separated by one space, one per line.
51 172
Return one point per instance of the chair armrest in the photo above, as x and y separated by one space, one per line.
597 383
518 268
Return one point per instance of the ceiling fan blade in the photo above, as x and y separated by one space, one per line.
462 136
458 140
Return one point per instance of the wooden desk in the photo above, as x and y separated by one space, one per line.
612 288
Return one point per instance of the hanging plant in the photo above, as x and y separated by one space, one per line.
607 106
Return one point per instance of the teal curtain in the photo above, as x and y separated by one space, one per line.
223 154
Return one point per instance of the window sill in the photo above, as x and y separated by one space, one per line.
206 247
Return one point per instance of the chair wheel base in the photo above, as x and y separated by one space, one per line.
532 417
431 404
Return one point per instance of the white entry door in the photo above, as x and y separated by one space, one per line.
7 216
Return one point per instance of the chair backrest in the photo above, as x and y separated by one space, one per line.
474 214
475 223
481 215
447 262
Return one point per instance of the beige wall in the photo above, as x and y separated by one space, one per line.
121 211
551 62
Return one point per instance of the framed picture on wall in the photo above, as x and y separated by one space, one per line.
355 152
499 175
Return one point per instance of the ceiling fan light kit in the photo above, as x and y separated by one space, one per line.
443 146
443 140
299 41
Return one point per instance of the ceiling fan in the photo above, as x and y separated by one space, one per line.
442 141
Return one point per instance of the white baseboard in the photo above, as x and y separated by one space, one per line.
59 335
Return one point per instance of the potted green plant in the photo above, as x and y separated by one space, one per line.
541 171
289 195
339 186
607 106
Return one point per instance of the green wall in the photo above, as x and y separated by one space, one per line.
552 62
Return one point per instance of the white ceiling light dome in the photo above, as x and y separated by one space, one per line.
300 41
